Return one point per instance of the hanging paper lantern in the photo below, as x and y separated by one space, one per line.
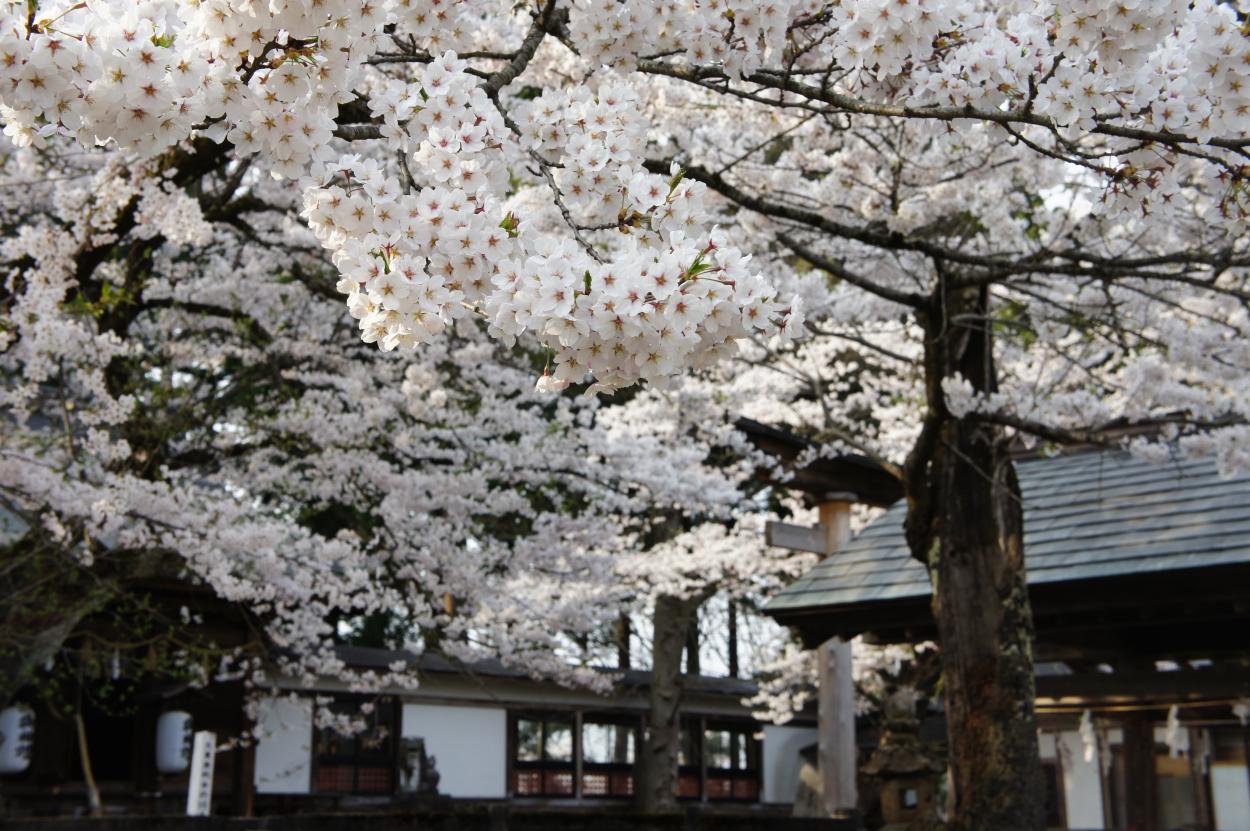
173 741
17 738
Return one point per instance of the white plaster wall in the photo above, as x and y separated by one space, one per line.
782 762
470 746
284 746
1082 785
1230 796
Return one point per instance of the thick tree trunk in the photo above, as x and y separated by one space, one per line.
965 522
657 773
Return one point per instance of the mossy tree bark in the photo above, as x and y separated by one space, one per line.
965 523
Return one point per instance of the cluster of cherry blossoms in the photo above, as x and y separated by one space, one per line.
271 80
641 316
450 453
1175 65
790 681
144 76
414 262
741 35
1170 65
670 294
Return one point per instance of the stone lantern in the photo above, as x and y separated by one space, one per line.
907 772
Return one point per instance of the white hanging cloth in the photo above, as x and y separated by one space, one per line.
1089 737
1177 735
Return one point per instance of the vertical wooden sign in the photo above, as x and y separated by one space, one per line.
200 786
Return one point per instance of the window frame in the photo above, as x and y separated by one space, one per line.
543 766
690 737
616 772
389 706
746 782
750 776
1054 803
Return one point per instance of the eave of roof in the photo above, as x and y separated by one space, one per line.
849 473
364 657
1091 519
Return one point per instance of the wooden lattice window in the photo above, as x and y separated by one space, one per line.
543 753
360 762
731 756
608 749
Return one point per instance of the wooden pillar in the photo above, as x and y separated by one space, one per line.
835 518
622 641
700 744
1199 764
577 754
244 784
147 781
692 646
836 727
1245 745
1106 778
836 700
1140 783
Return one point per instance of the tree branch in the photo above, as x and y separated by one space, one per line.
903 298
1104 435
772 79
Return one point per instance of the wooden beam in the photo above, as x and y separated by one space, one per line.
1222 681
813 538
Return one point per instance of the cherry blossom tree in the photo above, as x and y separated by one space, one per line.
673 579
315 492
434 502
1006 219
316 487
988 282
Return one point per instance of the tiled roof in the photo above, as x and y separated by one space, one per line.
1086 515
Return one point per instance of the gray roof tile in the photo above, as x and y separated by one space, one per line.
1086 515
